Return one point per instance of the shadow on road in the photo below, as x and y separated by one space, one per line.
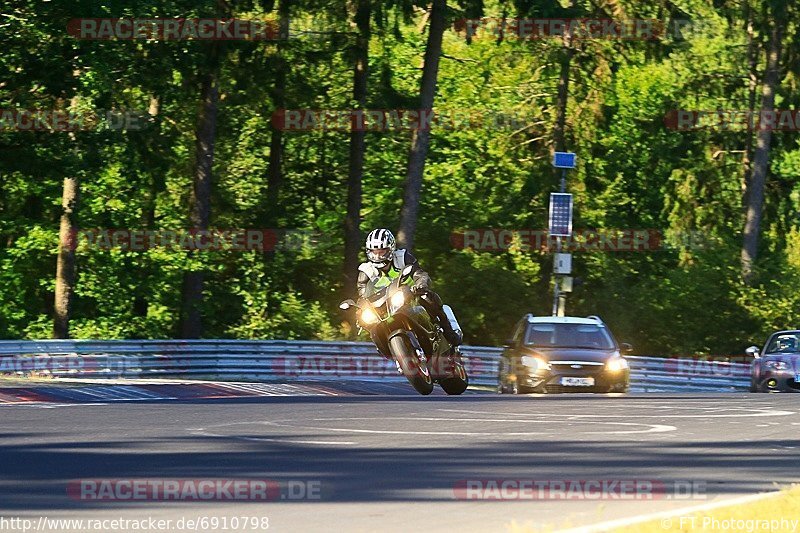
38 462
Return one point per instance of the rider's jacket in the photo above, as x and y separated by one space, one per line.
400 258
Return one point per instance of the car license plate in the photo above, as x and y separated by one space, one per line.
577 382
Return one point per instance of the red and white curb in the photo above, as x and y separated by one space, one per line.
152 390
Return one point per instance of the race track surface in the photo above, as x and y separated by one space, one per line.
392 462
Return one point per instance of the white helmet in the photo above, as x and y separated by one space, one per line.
380 246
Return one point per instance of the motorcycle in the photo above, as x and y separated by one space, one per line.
404 331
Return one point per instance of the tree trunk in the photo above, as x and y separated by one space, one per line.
352 221
275 165
752 73
65 267
67 234
191 327
755 196
420 140
153 111
151 160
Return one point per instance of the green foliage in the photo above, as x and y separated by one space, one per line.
633 173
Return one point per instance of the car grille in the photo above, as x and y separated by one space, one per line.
585 370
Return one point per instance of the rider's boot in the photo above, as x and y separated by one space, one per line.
452 336
433 304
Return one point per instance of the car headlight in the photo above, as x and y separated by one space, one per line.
535 363
617 364
397 301
368 316
776 365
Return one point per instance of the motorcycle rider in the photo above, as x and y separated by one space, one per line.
384 259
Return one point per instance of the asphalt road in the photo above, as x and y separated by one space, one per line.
399 463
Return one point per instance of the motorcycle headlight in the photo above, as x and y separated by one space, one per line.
398 299
617 365
368 316
776 365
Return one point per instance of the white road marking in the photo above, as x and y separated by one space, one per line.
326 442
204 433
759 412
650 428
290 441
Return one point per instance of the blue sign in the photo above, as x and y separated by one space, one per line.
564 160
560 220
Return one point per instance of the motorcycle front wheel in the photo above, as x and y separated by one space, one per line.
415 372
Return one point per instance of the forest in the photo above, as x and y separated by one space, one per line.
167 175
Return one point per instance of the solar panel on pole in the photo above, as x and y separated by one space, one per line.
560 218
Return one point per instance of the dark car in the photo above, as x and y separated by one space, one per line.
562 354
777 367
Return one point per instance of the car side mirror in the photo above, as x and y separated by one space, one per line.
347 304
753 352
625 347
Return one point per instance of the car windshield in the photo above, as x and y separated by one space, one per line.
784 343
551 335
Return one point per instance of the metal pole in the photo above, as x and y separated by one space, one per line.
556 287
559 299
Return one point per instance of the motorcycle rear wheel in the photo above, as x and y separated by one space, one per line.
458 383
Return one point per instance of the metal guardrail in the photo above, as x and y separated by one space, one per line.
658 374
309 361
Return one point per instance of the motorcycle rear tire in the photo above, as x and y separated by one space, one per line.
458 383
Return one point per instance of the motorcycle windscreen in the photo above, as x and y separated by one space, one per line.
376 290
